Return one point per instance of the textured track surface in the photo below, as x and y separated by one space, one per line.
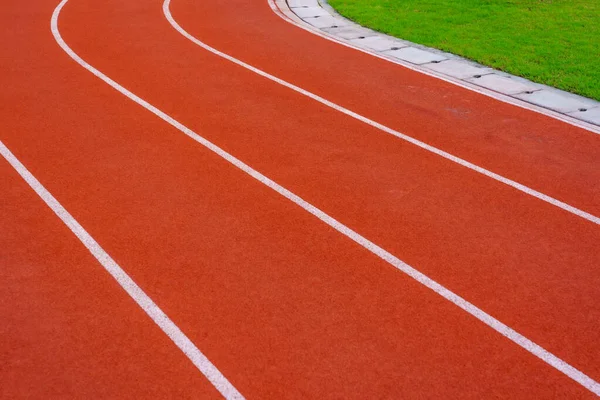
282 304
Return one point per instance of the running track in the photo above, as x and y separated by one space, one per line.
278 241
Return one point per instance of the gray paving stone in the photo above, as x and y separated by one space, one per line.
378 43
325 22
303 3
306 12
591 115
502 84
415 56
312 13
348 32
555 100
458 69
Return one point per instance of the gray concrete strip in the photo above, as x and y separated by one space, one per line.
502 84
543 99
325 22
303 3
306 12
459 69
348 32
378 43
556 101
415 55
590 115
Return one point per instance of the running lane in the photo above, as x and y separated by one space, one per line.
548 155
530 264
282 304
68 329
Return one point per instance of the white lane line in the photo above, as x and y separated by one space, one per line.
291 18
133 290
481 315
423 145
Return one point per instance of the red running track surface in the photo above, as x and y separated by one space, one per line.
282 304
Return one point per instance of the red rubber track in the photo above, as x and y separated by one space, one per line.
546 154
68 330
283 305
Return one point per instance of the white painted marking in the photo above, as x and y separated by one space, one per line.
141 298
297 21
425 146
132 289
481 315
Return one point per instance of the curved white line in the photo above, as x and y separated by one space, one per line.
141 298
297 21
423 145
481 315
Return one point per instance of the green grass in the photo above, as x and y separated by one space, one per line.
555 42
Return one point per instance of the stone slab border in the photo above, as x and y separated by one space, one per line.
318 17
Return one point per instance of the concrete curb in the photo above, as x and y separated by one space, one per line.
318 17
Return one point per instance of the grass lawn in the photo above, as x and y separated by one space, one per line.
556 42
